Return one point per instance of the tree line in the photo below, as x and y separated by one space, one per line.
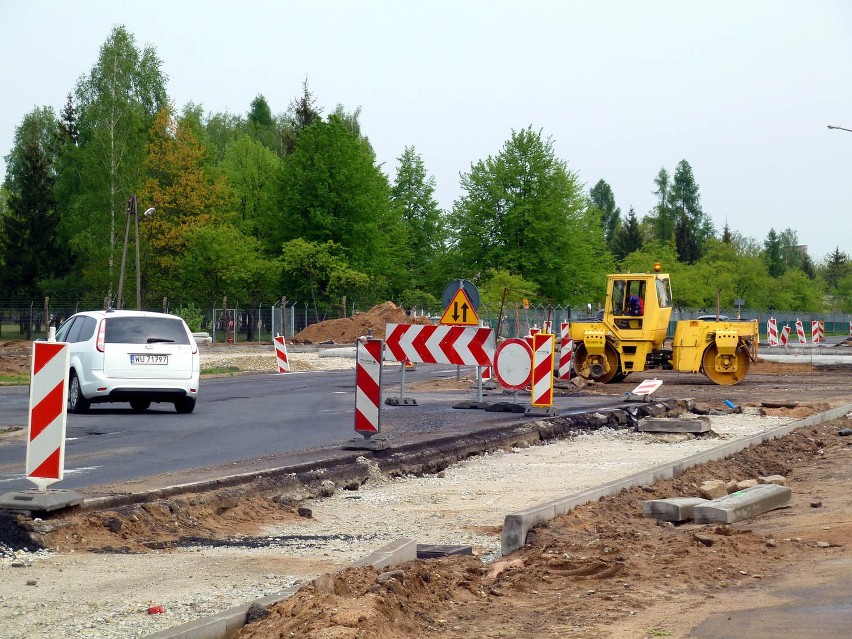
252 206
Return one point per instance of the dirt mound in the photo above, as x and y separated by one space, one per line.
348 329
601 570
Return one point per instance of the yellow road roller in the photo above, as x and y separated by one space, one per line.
630 336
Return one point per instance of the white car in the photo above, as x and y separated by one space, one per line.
130 356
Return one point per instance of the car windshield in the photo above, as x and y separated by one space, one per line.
144 330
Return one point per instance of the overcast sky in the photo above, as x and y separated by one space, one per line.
743 91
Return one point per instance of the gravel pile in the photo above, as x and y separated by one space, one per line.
107 596
258 359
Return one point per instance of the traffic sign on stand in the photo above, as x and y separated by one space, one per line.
460 311
430 344
513 363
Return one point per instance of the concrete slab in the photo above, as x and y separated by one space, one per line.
396 552
36 501
743 504
433 551
675 425
506 407
540 411
675 509
366 443
400 401
471 404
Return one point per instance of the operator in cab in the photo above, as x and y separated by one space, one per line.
635 306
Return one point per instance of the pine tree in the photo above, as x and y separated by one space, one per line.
28 230
603 199
628 237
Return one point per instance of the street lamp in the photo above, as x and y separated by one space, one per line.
138 270
132 209
832 126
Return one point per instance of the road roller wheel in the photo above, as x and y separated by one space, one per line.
595 372
722 377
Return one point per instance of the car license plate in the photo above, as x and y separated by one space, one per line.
149 360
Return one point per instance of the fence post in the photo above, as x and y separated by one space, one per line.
46 316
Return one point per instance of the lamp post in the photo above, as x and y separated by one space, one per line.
833 126
138 270
132 209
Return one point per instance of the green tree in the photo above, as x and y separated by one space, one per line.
28 230
661 219
117 102
218 260
333 190
628 237
836 268
523 211
772 254
319 273
221 130
795 291
603 199
261 126
693 227
413 193
252 171
302 113
185 193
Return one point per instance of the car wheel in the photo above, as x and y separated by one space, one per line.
139 405
185 405
76 402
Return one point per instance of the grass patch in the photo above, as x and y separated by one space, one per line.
220 370
14 379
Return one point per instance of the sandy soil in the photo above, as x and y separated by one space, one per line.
600 571
603 570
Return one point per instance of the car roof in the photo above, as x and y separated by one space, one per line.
125 313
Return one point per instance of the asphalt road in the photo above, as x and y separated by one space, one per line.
240 419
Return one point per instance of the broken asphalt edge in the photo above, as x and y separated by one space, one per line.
517 525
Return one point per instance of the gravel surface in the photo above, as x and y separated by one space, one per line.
108 596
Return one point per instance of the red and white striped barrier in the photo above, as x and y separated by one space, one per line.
485 373
800 332
431 344
368 382
817 331
281 354
48 413
542 378
546 326
647 387
785 334
566 351
772 331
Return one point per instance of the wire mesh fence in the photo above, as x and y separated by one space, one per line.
32 319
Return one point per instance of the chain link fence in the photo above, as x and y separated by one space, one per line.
30 320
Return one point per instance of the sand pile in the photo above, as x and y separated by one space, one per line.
347 329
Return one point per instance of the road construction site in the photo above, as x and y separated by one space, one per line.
196 554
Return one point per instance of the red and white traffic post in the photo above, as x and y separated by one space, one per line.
542 373
47 414
566 351
282 361
369 356
45 458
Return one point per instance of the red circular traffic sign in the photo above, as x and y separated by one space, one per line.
513 363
